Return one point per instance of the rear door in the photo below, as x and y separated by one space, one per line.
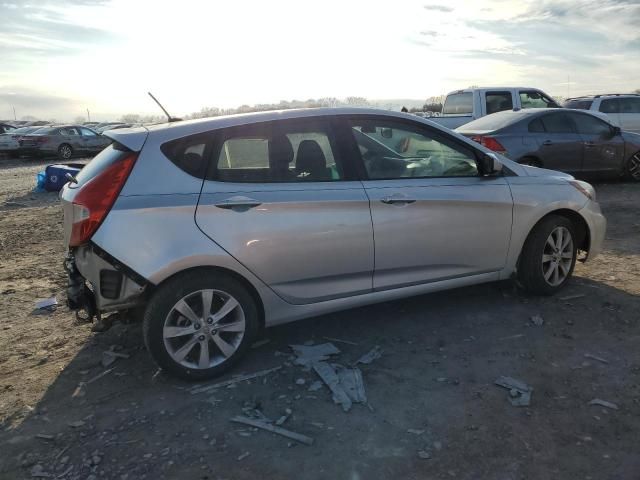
90 140
282 202
603 151
611 106
560 146
434 217
497 101
630 114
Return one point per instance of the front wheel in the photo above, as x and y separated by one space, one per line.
632 169
197 325
548 256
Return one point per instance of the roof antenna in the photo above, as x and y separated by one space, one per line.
171 119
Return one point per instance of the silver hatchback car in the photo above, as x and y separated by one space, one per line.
216 228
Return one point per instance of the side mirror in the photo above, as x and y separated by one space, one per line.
489 164
616 131
386 133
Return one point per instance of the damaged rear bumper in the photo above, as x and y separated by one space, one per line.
99 283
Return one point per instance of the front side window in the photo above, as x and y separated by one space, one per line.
558 123
458 104
534 99
68 131
630 105
590 125
87 133
278 152
498 101
611 105
393 150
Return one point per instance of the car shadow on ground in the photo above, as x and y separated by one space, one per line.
431 391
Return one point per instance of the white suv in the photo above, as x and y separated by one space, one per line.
622 109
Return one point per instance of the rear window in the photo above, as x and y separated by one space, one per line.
46 131
491 123
107 157
578 104
188 154
458 103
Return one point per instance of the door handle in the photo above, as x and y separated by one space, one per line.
391 200
547 142
238 202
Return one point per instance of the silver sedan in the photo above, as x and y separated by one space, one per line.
215 228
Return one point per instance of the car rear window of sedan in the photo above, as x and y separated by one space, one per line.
491 122
578 104
46 131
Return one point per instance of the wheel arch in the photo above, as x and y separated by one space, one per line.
221 270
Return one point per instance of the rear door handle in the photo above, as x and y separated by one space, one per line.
391 200
547 142
238 202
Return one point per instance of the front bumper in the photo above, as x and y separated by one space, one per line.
597 224
99 283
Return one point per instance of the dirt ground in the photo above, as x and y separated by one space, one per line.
432 391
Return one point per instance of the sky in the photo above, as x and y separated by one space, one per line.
59 58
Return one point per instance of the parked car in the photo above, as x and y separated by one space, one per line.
239 222
90 124
65 141
623 109
574 141
114 127
10 142
98 128
463 106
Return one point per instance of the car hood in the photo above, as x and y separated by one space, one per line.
544 172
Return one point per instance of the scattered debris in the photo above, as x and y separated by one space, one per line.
424 454
572 297
243 456
315 386
519 335
310 354
300 381
537 320
66 472
352 383
415 431
76 424
260 343
519 392
109 356
373 354
99 376
594 357
44 436
240 378
37 471
273 429
46 305
331 378
285 417
340 341
603 403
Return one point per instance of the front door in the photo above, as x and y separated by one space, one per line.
603 151
434 216
280 201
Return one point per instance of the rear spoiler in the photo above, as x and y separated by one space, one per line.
132 138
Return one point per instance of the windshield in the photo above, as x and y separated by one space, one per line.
578 104
458 104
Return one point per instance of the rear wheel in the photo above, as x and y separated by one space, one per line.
65 152
199 324
548 256
632 170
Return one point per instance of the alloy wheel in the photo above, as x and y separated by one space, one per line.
634 167
204 329
557 256
65 151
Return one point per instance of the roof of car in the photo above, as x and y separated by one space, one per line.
590 97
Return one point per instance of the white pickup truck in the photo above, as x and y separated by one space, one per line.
463 106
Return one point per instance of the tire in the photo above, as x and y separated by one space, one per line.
536 272
632 168
176 340
65 151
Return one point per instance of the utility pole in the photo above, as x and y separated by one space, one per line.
14 113
88 115
568 86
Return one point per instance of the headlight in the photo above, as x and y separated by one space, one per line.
585 188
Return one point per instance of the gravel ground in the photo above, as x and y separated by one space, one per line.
434 411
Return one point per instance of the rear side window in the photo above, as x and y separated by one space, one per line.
277 152
590 125
458 104
611 105
558 123
498 101
188 154
536 126
578 104
107 157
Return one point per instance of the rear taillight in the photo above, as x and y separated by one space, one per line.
42 139
96 197
489 142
